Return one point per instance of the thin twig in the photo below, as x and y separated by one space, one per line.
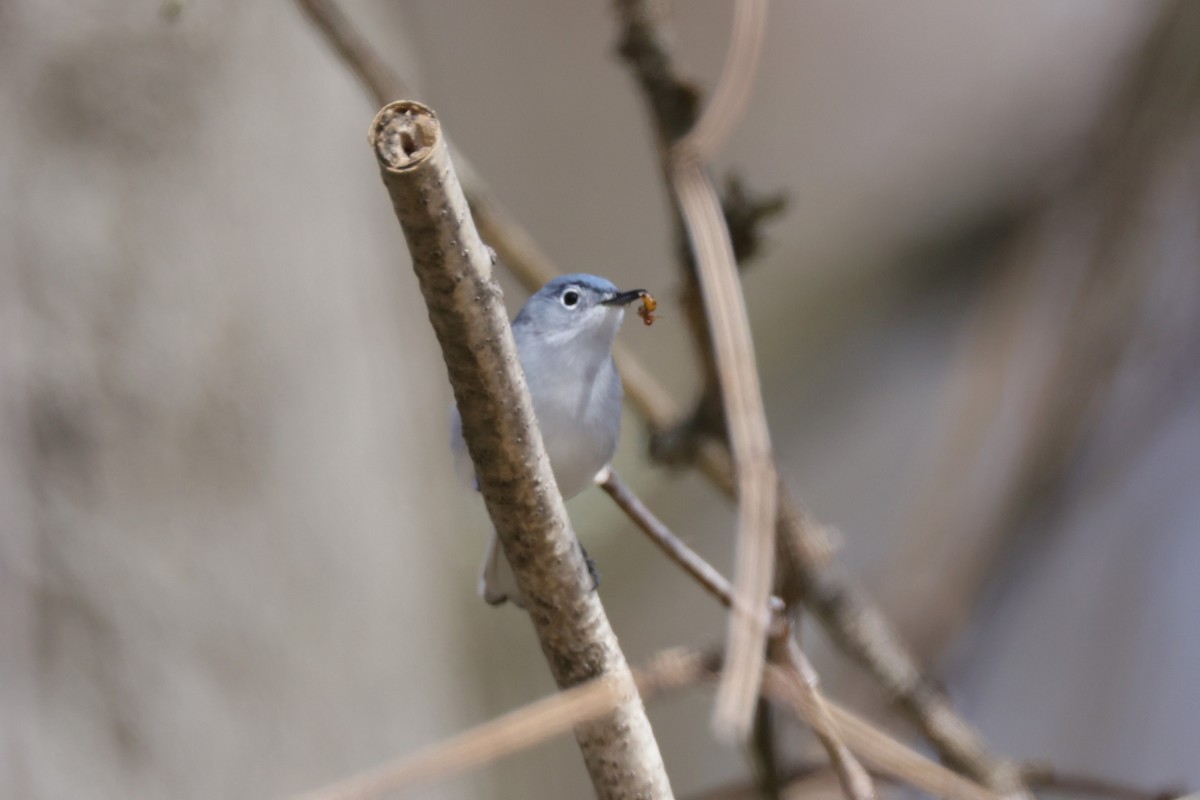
688 560
765 750
855 781
466 309
785 650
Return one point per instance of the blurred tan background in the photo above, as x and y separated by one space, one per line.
234 559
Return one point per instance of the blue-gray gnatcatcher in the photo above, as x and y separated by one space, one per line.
564 337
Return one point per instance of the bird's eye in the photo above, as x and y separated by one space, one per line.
570 298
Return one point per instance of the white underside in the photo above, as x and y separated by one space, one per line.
577 400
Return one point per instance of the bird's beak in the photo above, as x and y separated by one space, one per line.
623 298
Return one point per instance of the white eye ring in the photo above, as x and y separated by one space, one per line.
570 298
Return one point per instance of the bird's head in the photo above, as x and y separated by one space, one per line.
577 306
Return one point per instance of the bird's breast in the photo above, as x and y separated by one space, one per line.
579 415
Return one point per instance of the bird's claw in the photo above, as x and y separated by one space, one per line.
591 568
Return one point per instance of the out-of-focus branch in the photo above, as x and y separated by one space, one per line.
467 311
803 780
1057 329
746 423
855 781
798 782
724 111
765 751
515 731
872 745
943 554
373 73
805 570
520 729
669 671
727 326
1046 778
862 632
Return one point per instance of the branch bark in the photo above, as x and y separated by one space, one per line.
466 309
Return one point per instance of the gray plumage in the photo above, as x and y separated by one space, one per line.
564 336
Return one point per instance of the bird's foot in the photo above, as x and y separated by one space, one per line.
591 567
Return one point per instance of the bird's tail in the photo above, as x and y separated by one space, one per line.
497 583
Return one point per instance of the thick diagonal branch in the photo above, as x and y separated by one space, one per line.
454 269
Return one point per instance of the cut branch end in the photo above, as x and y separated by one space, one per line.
403 134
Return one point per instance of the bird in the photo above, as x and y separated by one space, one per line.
564 336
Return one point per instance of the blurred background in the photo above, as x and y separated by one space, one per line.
234 558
